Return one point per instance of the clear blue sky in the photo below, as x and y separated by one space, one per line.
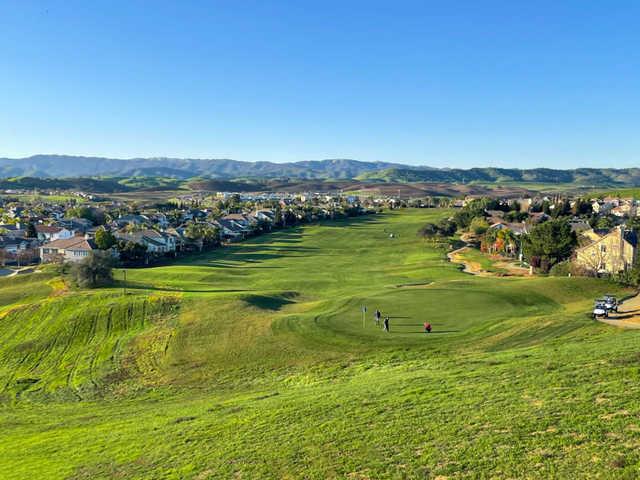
514 84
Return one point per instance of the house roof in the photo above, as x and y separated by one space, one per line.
74 243
229 225
48 229
628 235
236 217
516 228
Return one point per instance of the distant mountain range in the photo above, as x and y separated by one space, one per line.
60 166
48 166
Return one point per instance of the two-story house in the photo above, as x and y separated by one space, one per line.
611 253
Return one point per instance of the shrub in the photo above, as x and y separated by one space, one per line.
93 271
562 269
479 225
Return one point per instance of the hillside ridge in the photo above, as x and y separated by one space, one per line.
67 166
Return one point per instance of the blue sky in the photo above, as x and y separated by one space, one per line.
512 84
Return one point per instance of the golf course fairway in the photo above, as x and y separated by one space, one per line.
253 361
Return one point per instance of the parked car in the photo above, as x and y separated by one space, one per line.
600 309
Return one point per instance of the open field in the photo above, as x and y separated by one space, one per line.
253 362
24 197
618 192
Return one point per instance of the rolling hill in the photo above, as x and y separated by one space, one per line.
73 166
254 362
61 166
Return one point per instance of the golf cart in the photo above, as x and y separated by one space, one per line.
611 303
600 309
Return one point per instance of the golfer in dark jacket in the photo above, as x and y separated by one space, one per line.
386 324
378 315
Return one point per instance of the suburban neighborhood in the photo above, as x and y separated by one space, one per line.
45 229
41 230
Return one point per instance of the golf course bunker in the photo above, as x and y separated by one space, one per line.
451 311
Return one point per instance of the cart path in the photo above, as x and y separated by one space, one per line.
474 268
628 315
467 267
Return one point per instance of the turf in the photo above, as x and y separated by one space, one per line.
253 362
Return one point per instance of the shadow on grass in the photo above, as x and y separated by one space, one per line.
270 302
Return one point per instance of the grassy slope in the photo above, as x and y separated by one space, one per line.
265 369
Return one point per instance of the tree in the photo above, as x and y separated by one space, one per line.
561 209
132 252
550 242
581 207
429 230
447 227
444 228
93 271
31 231
604 223
104 239
202 233
92 214
634 224
479 225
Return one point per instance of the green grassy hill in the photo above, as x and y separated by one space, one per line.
253 362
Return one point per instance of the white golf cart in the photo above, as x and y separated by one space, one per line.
611 303
600 309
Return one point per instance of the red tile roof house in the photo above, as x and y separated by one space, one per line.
68 250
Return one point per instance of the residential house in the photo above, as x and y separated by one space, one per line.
516 228
15 245
626 209
265 215
71 249
156 242
13 231
538 217
579 225
49 233
601 207
76 224
131 219
229 230
246 223
611 253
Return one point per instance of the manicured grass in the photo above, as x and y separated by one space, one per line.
253 362
620 192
